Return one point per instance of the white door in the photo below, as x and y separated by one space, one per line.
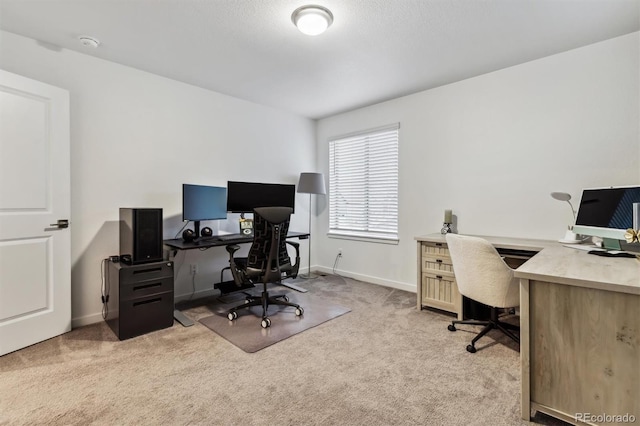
35 266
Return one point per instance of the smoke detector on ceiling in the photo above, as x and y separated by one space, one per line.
89 42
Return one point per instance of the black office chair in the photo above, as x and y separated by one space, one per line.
268 261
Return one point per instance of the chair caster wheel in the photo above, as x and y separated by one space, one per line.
471 348
299 311
285 298
266 323
232 315
451 327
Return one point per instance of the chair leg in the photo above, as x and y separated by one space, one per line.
493 323
467 322
484 331
265 301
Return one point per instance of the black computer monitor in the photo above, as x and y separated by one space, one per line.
243 197
200 202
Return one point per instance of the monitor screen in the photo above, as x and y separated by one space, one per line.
201 202
607 212
243 197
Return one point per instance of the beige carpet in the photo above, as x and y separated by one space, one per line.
384 363
247 333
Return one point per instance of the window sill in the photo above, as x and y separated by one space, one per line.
361 237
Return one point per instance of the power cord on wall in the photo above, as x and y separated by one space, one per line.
104 288
335 264
181 229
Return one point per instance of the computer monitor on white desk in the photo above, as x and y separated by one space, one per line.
608 213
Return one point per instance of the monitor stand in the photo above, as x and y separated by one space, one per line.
611 244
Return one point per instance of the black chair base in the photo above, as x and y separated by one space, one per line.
493 323
264 300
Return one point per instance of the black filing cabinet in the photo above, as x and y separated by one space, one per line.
140 297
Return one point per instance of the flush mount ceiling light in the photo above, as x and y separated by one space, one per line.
89 41
312 19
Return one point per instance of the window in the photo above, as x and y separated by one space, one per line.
363 184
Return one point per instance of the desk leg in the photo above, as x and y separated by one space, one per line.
525 348
182 318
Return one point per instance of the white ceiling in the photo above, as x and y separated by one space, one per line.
375 50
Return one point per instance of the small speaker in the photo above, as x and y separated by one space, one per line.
188 235
206 232
140 235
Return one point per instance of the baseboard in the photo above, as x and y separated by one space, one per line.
94 318
86 320
369 279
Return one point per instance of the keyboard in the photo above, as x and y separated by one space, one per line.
583 247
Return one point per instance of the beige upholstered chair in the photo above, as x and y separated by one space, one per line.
483 276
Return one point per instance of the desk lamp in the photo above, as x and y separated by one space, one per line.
569 237
311 183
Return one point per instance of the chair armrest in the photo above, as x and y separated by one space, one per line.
296 266
232 248
295 245
239 275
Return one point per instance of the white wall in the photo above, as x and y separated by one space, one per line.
493 147
136 137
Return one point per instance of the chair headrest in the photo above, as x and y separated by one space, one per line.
274 215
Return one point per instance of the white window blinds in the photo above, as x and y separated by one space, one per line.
363 184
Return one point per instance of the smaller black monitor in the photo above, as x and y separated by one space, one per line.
243 197
200 202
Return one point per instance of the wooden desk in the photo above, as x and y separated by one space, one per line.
579 330
437 287
579 335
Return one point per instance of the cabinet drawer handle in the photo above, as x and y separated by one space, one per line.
145 302
439 260
439 244
439 277
145 286
146 271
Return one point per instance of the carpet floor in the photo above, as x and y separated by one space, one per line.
383 363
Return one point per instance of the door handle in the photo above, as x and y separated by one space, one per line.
62 223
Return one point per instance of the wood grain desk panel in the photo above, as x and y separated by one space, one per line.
579 334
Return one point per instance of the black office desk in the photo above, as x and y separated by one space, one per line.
208 242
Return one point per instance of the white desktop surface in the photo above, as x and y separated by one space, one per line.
498 242
568 266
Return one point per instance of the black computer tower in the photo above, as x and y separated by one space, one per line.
140 235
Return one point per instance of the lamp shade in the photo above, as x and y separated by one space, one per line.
311 183
561 196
